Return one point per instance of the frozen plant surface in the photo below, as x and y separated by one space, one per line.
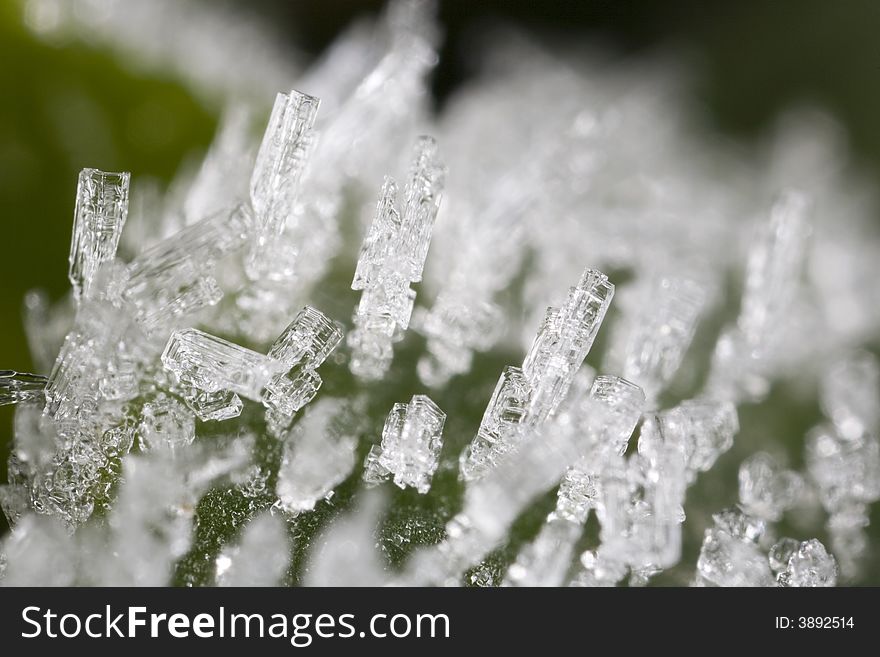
608 310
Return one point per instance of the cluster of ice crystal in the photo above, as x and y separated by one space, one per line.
138 457
410 449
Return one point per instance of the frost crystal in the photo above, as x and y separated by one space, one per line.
319 453
531 394
391 258
99 216
410 449
285 380
745 354
141 459
609 417
275 180
809 565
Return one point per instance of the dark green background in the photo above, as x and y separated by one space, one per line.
67 106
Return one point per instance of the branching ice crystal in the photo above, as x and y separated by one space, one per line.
531 394
99 216
410 449
391 258
285 380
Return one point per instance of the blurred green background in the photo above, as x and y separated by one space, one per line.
67 105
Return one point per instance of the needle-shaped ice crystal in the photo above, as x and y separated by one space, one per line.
18 387
392 257
99 216
410 448
531 394
319 454
277 171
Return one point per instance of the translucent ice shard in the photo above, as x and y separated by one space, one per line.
531 394
499 429
766 489
17 387
277 172
260 558
212 364
99 216
174 278
319 454
302 347
410 448
847 475
391 258
73 388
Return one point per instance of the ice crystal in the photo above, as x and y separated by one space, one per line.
410 447
392 257
530 394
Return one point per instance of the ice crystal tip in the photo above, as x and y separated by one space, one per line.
392 257
281 158
99 217
18 387
563 342
410 449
